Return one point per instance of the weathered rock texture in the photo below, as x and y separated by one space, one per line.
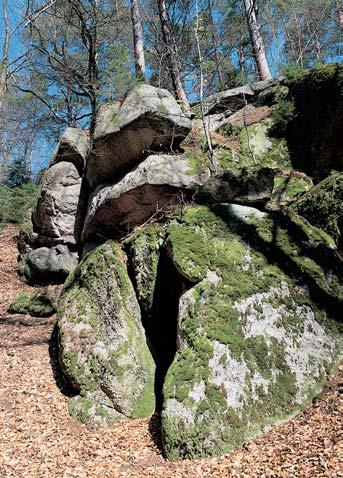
254 347
245 186
55 216
240 307
37 303
72 148
103 349
46 265
149 120
157 183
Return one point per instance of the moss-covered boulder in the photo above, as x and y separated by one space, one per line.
37 303
322 206
313 112
143 248
252 146
257 333
103 350
289 185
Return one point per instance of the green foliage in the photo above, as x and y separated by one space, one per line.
16 201
293 72
283 113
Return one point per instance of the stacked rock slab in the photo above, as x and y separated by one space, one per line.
240 303
56 215
148 121
158 183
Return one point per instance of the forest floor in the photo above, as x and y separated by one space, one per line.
39 439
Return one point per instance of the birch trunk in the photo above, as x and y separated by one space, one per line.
339 8
3 87
138 45
172 57
260 58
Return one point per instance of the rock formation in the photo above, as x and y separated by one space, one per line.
209 298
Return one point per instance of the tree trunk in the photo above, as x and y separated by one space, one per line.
138 39
260 58
215 43
172 57
3 86
339 8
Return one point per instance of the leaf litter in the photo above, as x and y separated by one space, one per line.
38 438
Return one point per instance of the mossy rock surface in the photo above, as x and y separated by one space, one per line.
314 130
143 248
253 146
254 345
103 350
37 303
323 206
289 185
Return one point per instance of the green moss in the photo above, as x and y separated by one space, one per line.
255 147
249 258
198 161
103 345
143 248
322 206
288 187
38 303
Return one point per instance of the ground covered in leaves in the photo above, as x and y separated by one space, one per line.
39 439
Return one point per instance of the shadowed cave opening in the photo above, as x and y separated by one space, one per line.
161 321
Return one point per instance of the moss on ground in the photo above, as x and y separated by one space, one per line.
37 303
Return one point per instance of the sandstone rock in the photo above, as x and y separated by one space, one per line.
289 185
37 302
157 183
243 117
103 350
48 265
233 100
244 186
322 206
256 335
72 148
149 120
143 250
55 216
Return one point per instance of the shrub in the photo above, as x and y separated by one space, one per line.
16 201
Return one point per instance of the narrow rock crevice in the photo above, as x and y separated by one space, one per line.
161 321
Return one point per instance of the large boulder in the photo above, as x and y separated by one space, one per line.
314 108
234 99
103 349
156 184
229 100
72 148
246 116
149 120
256 332
48 265
55 216
245 186
322 206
